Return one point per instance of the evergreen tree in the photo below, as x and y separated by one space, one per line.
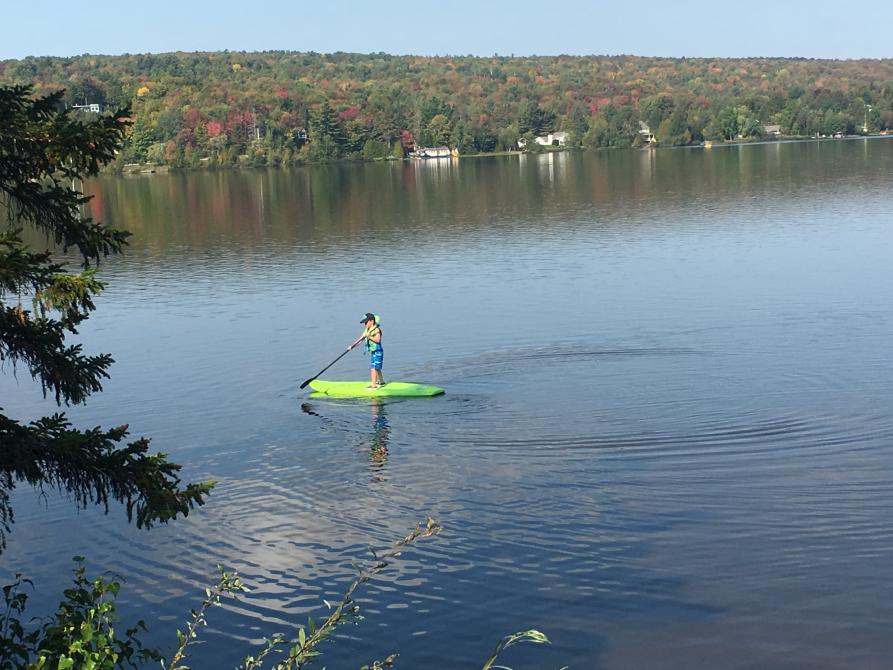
373 149
462 138
43 151
534 119
438 130
328 139
579 124
434 119
390 109
597 135
656 109
612 127
728 123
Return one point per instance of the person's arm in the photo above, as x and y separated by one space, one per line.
376 336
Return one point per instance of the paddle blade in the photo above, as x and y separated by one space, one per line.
304 385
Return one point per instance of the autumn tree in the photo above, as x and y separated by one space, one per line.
180 97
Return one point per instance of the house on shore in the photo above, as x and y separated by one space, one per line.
645 134
94 107
558 139
772 131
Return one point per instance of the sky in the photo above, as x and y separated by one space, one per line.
817 29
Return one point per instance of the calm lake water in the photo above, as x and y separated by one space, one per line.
667 437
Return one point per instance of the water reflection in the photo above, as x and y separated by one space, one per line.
378 438
419 202
684 449
375 439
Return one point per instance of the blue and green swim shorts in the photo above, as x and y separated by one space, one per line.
376 359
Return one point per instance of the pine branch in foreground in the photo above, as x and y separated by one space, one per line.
92 467
44 153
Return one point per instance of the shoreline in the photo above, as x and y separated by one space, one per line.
139 169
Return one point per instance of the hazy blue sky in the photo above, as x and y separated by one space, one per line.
819 29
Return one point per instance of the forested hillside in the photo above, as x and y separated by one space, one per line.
191 109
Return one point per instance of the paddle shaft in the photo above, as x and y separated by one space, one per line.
343 354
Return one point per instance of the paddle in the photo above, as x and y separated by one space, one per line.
304 385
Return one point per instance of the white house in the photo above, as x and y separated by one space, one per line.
94 107
558 139
646 134
552 139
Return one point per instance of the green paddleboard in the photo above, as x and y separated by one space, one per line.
360 390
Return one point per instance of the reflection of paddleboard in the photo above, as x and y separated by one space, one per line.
361 390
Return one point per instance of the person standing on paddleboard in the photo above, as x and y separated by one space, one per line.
372 336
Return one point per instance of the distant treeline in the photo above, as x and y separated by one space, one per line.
268 108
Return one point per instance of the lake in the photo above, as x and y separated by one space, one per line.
666 439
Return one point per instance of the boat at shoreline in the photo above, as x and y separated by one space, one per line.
435 152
